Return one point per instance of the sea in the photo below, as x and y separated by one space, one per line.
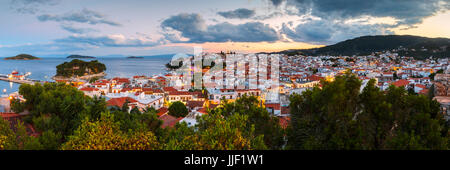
45 68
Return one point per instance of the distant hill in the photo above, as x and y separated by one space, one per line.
23 57
79 56
412 46
134 57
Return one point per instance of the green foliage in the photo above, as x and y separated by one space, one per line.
215 132
324 118
18 140
105 134
264 123
338 116
50 140
7 136
17 106
147 121
79 68
57 110
178 109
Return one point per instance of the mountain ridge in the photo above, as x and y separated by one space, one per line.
405 45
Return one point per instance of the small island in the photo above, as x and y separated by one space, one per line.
79 56
23 57
134 57
80 69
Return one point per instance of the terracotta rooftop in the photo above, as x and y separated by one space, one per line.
401 83
162 111
169 121
88 89
194 104
120 101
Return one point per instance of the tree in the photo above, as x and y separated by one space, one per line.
265 124
58 109
324 118
376 116
178 109
105 134
214 132
50 140
337 116
18 140
17 106
6 135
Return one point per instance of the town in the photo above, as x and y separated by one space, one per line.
296 74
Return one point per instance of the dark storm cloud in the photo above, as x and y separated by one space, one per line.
194 28
408 11
329 32
84 16
241 13
276 2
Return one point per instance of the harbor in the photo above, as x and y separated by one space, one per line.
14 77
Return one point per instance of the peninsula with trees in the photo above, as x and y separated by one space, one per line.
80 69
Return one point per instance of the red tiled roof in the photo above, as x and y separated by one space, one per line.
314 78
162 111
202 110
169 89
401 83
194 104
179 93
120 101
88 89
125 89
99 84
122 80
424 91
169 121
275 106
284 121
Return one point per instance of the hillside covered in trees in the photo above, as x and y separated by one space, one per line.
405 45
79 68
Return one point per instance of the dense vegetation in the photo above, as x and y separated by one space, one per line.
22 57
178 109
437 47
79 68
336 116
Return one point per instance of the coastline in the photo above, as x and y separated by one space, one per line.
21 59
86 77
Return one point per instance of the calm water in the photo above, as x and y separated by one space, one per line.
45 68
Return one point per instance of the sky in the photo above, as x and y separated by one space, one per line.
153 27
